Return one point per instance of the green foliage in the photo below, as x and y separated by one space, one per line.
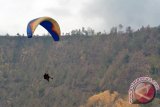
126 59
154 70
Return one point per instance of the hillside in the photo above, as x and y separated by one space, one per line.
80 65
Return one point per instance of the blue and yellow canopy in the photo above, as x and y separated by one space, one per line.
48 23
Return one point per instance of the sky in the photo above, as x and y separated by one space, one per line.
100 15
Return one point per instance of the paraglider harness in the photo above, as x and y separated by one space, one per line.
47 77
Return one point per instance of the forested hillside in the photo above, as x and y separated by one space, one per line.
81 66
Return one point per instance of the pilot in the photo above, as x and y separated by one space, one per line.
46 76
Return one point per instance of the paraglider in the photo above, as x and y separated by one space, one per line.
48 23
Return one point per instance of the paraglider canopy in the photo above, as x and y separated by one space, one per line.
48 23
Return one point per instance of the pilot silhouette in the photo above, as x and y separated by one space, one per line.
46 76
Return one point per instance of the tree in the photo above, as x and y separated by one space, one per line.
129 31
113 30
7 34
18 34
120 27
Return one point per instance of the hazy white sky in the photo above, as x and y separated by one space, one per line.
71 14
